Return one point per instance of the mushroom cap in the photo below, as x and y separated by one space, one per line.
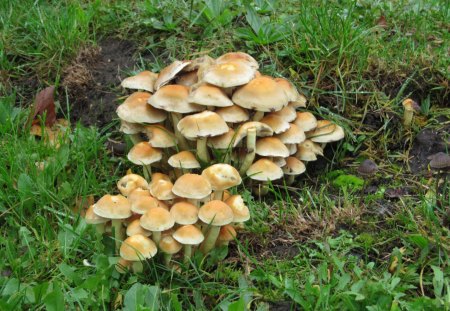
187 78
410 105
288 113
131 182
223 141
324 127
264 170
241 212
199 62
440 161
137 247
293 166
228 74
123 265
310 145
184 213
160 137
294 135
162 189
290 90
216 213
336 135
173 98
299 103
227 233
276 123
113 207
262 130
233 114
222 176
157 219
144 80
292 148
188 235
142 204
192 186
92 218
203 124
136 110
144 154
271 147
238 57
261 94
209 95
279 161
305 154
130 128
169 72
136 194
305 121
134 228
159 176
169 245
184 159
367 168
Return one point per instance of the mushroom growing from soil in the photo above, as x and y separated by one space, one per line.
157 220
409 107
93 219
192 187
188 235
169 246
137 248
221 177
144 154
144 80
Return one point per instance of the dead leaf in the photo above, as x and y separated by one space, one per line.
381 22
44 104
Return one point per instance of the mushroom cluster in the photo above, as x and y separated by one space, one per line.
194 113
196 211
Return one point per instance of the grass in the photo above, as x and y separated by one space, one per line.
321 245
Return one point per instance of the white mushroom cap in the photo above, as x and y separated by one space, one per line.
276 123
271 147
209 95
264 170
293 166
294 135
305 121
238 57
203 124
336 135
136 110
228 74
160 137
233 114
144 80
174 98
157 219
222 176
170 72
184 159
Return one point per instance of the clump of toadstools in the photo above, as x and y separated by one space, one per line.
196 211
222 110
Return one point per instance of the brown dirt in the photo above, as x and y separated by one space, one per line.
92 81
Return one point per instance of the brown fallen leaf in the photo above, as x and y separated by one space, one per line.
44 104
381 22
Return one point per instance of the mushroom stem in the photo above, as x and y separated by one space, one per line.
210 239
193 202
258 115
135 138
407 117
156 236
118 232
290 179
137 266
262 189
218 194
202 151
187 253
167 259
251 151
100 229
182 143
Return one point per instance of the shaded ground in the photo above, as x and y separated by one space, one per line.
92 81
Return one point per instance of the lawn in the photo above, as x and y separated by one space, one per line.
333 240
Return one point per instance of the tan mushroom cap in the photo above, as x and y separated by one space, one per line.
262 130
209 95
160 137
138 193
136 110
290 90
279 161
223 141
324 127
134 228
184 213
159 176
238 57
305 152
131 182
314 147
305 121
169 245
199 62
336 135
203 124
92 218
137 247
187 78
271 147
216 213
113 207
123 265
188 235
169 72
174 98
157 219
162 190
144 80
292 148
222 176
293 166
142 204
261 94
144 154
184 159
299 103
410 105
233 114
228 74
130 128
192 186
294 135
240 210
276 123
227 233
288 113
264 170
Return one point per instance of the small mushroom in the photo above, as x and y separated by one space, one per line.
169 246
188 235
157 220
221 177
409 107
137 248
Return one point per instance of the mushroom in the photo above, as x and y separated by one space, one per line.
409 107
336 135
227 233
144 154
157 220
210 96
160 137
184 213
216 214
136 194
137 248
271 147
183 161
288 113
241 212
305 121
294 135
134 228
293 167
221 177
238 57
123 265
192 187
440 162
143 203
228 74
291 92
144 80
117 208
169 246
168 73
131 182
276 123
162 190
224 144
93 219
233 114
200 126
264 171
188 235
